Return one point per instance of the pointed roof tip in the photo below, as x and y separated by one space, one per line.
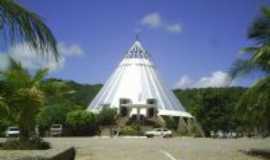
137 50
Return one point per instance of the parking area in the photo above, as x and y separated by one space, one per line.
160 149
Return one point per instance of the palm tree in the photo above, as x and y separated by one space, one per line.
259 53
254 105
23 97
22 25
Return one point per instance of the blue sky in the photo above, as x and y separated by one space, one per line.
189 40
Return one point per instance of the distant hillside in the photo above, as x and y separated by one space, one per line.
191 98
84 93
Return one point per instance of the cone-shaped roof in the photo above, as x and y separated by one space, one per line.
137 79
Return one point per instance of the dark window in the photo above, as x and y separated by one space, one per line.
151 101
142 118
134 117
185 119
151 112
123 111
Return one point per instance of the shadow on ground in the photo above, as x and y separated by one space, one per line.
265 154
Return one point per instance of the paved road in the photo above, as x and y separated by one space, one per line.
161 149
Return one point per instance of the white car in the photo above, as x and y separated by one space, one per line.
12 132
163 132
56 130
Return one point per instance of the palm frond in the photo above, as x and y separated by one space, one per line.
4 109
40 75
27 26
242 67
266 11
261 57
260 29
16 75
254 104
249 49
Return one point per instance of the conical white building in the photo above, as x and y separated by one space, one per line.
136 87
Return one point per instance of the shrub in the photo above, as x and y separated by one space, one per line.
32 143
131 130
107 116
51 114
82 122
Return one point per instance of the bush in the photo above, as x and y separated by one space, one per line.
82 122
33 143
131 130
52 114
107 116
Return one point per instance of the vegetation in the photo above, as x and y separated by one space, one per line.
22 97
214 108
54 114
22 25
107 116
34 143
131 130
82 122
254 104
83 94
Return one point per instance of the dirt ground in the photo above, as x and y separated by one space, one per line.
161 149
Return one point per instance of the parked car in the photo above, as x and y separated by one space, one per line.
56 130
12 132
163 132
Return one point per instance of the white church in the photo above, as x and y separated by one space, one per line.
137 91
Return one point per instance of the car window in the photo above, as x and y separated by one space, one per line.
13 129
56 126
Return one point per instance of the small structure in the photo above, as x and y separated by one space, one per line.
137 91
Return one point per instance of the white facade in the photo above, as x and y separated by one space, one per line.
137 80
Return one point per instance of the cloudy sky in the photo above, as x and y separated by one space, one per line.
192 42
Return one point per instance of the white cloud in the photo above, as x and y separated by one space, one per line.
70 50
184 82
216 79
31 59
175 28
152 20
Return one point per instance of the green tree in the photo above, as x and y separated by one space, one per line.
54 113
214 108
253 104
107 116
25 26
23 96
82 122
254 107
